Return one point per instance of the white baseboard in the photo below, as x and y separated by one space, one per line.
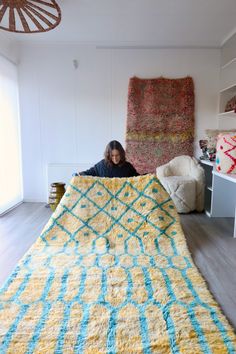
13 207
34 201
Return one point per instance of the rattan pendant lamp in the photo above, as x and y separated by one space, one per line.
29 16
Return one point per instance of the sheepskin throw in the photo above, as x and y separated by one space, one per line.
111 273
184 179
160 121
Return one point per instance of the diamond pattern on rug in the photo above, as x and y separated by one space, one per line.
111 273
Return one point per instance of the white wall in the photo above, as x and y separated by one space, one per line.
8 48
68 114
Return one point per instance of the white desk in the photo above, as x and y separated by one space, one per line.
220 193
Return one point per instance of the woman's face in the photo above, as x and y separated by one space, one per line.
115 156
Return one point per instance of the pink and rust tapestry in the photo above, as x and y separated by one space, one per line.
160 121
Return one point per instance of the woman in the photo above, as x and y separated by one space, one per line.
113 165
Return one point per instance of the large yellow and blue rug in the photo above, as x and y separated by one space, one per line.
111 273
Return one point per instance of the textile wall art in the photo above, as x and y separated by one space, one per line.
160 121
111 273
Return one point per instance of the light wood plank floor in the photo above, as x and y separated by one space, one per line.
209 240
213 248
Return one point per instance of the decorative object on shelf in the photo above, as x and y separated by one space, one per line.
226 153
207 153
211 154
231 105
57 191
203 147
212 134
29 16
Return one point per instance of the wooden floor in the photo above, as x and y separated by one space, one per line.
213 248
209 239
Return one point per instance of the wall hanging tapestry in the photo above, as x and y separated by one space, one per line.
160 121
111 273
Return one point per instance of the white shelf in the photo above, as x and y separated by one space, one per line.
227 114
225 95
207 162
230 88
228 63
230 176
220 193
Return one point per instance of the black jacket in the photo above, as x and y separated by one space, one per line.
102 169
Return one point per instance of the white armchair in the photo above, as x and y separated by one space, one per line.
184 179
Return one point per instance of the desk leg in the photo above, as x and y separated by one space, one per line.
235 224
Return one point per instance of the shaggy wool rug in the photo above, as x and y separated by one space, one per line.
111 273
160 121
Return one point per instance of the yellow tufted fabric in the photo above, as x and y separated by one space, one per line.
111 273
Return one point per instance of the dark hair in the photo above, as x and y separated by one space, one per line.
114 145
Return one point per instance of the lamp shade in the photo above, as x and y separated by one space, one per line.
29 16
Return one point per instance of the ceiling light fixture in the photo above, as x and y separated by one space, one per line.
29 16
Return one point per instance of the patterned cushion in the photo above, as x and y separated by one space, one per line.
226 153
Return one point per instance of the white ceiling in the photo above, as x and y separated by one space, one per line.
157 23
